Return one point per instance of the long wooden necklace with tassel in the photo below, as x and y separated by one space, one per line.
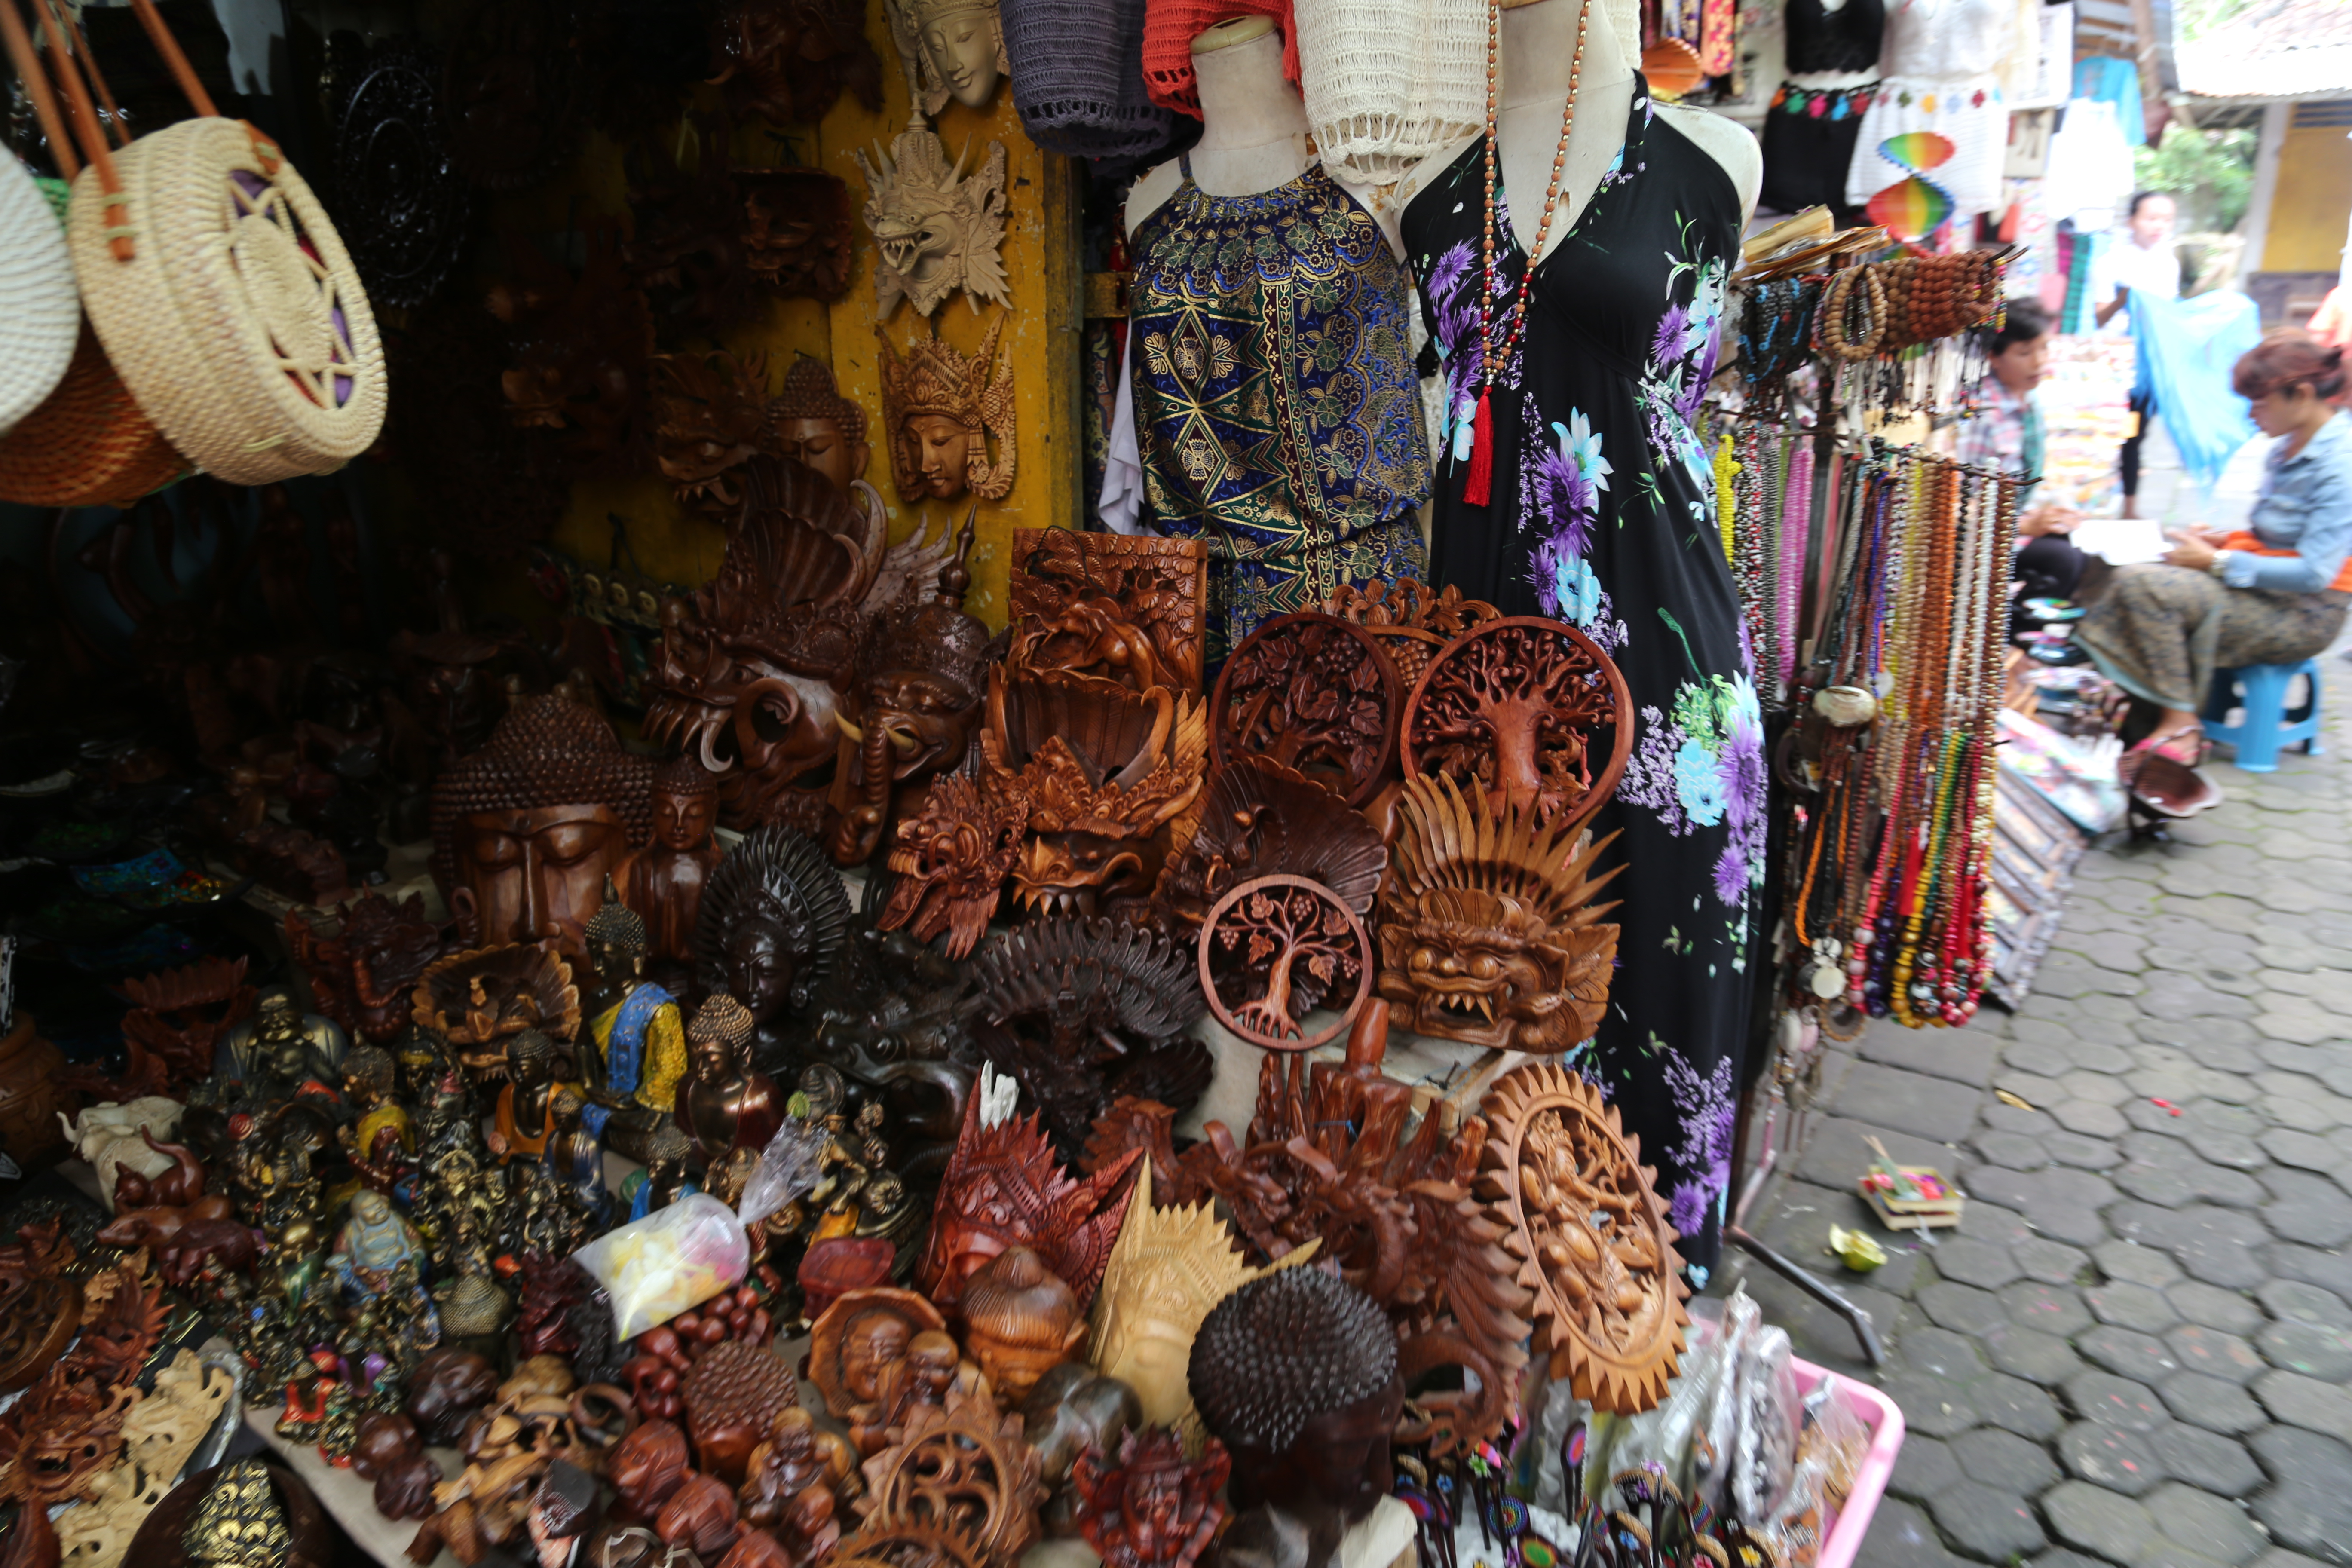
1477 488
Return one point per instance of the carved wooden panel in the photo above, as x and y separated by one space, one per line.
1531 709
1126 608
1312 692
1277 948
1259 818
1408 619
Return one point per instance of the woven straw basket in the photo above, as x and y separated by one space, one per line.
39 311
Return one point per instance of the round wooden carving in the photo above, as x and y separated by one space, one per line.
1312 692
1278 947
901 1543
1531 709
1585 1221
965 1473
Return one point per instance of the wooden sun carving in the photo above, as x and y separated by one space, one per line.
1583 1217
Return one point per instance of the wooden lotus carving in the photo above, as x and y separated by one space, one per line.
475 999
940 409
1531 708
1312 692
1125 609
1487 928
1585 1221
1277 948
1259 818
936 228
1408 619
966 1470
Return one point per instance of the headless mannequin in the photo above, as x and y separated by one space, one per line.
1252 123
1538 53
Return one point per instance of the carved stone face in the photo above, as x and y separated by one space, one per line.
761 970
824 445
939 449
684 821
963 43
875 1344
540 873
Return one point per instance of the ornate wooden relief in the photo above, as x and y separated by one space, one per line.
1531 708
940 410
1003 1188
788 61
1078 1012
685 241
965 1468
579 370
179 1015
711 417
857 1351
1259 818
1487 927
890 1543
1410 620
797 232
363 974
475 999
949 865
937 229
1277 948
955 47
1585 1221
1151 1508
512 93
400 205
526 830
774 922
1123 608
1312 692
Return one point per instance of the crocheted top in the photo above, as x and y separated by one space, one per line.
1846 39
1171 26
1078 77
1388 82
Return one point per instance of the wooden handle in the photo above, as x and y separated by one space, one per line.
169 48
85 119
37 88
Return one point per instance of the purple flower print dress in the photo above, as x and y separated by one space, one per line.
1603 516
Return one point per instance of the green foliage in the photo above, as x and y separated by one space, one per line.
2193 19
2210 172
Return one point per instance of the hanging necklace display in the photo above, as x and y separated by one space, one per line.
1477 488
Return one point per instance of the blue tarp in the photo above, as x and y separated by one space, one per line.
2187 348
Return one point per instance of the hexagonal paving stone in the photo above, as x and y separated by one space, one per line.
2127 1354
2130 1306
2113 1400
2331 1271
1985 1265
2307 1506
2047 1309
2210 1244
2206 1459
2312 1349
2097 1520
2307 1208
2130 1262
1923 1467
2015 1405
1962 1308
2089 1118
2036 1357
2212 1404
2304 1303
1930 1405
2301 1401
2203 1523
2214 1353
2005 1461
2186 1179
1987 1522
2082 1153
2014 1151
2213 1306
2307 1151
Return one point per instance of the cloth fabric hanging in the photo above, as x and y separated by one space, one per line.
1942 60
2114 81
2090 170
1078 77
1388 82
2186 350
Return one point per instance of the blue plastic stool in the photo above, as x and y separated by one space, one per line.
2261 691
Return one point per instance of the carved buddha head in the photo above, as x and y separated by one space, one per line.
715 1041
1019 1320
810 420
615 941
685 805
939 408
531 1059
526 830
1297 1374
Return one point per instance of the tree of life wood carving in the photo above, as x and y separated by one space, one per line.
1275 949
1312 692
1563 1178
1531 709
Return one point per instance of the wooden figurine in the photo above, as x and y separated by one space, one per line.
711 417
699 1516
1020 1322
858 1354
1296 1375
648 1466
363 974
798 243
732 1397
447 1386
523 1119
1531 710
476 1000
789 61
1487 926
936 229
562 1513
774 924
527 830
1151 1508
664 881
722 1103
180 1014
809 420
1127 610
280 1049
940 410
788 1485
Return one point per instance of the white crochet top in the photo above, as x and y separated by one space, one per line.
1388 82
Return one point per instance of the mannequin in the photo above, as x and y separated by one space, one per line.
1254 133
1809 131
1537 50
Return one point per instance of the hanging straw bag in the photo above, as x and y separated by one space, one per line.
223 295
39 311
87 444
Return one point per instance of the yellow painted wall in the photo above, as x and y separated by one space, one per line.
1039 339
2312 202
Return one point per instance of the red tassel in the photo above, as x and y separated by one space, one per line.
1477 489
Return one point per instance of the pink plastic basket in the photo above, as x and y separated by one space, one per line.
1884 1419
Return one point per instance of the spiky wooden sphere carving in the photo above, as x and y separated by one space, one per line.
1585 1219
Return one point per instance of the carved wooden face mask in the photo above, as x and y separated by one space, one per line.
810 422
711 415
941 408
957 47
937 229
796 237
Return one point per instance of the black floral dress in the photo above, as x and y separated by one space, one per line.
1603 516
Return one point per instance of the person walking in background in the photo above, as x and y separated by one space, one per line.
2144 262
2005 433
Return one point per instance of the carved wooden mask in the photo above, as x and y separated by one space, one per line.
957 48
937 229
810 422
796 233
711 417
788 61
939 409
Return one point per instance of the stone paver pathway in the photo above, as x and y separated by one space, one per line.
2136 1350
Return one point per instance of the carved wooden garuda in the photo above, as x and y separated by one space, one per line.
788 61
580 368
754 668
1078 1012
796 234
1003 1187
362 975
1312 692
937 229
1124 609
1531 708
711 417
1408 619
1259 818
1334 1152
179 1015
1488 931
939 409
1584 1222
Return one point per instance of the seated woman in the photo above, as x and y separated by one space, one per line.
2274 592
2006 435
